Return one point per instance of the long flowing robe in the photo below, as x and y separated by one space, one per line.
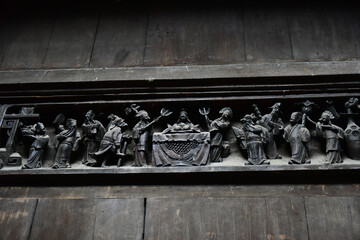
297 136
255 135
332 142
218 129
110 142
93 132
36 151
270 146
65 140
141 138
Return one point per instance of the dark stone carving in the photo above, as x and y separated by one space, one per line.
352 131
64 144
218 128
40 140
297 135
252 137
332 134
114 143
9 124
182 144
274 124
141 133
92 133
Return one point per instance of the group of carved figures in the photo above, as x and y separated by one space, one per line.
183 143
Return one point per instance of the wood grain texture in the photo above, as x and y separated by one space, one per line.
333 217
88 219
120 40
201 36
27 41
72 40
119 219
324 34
266 34
225 218
16 218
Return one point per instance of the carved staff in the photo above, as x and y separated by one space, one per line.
307 107
205 112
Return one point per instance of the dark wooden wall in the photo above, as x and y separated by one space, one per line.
154 33
107 34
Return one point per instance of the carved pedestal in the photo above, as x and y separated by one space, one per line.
181 149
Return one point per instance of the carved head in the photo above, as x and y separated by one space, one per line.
276 107
226 112
90 115
295 118
326 117
351 102
39 128
142 114
248 118
70 123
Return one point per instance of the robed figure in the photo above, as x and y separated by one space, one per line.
252 137
332 134
40 141
297 135
64 144
92 133
218 129
111 143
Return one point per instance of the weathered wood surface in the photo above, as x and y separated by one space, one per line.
226 218
333 218
88 219
119 34
180 191
319 33
27 39
71 40
120 39
199 36
150 74
266 34
16 217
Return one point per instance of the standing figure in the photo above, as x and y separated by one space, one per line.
252 138
274 124
64 144
92 133
218 129
141 132
111 143
297 135
352 131
37 133
332 134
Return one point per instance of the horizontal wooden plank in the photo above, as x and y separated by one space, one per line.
179 191
181 72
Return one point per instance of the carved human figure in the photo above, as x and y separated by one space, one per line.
183 124
64 144
352 131
218 129
332 134
274 124
111 143
141 132
40 141
297 135
252 138
92 133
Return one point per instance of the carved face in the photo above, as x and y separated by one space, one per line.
90 115
295 117
226 114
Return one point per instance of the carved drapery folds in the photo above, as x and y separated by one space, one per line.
235 136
